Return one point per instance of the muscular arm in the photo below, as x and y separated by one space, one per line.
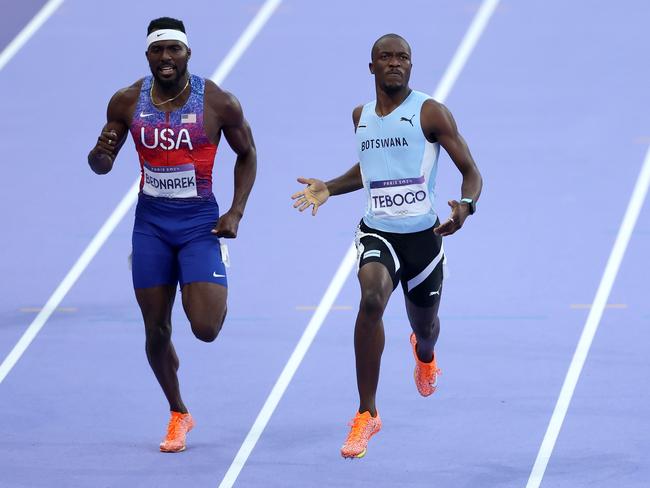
113 135
348 182
439 126
238 133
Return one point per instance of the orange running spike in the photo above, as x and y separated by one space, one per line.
179 425
363 427
425 374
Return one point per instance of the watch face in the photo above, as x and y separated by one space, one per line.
470 203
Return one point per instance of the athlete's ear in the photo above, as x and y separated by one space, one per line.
189 53
372 68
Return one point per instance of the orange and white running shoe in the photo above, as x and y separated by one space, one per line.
363 427
179 425
425 374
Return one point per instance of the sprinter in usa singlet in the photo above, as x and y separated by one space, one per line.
176 207
176 120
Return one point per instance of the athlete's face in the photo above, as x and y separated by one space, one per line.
391 64
168 61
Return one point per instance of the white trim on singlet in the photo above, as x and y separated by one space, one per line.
413 282
429 159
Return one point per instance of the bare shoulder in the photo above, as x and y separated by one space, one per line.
436 120
123 103
224 104
434 109
128 95
356 115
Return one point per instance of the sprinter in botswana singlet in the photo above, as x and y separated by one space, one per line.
399 239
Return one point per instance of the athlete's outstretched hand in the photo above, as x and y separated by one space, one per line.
455 221
227 225
316 194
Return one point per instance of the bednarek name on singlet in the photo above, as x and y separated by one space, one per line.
176 155
398 167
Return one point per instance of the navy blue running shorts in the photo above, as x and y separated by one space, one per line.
172 242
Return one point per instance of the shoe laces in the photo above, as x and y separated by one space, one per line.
359 424
174 427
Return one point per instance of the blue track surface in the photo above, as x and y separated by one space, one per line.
553 103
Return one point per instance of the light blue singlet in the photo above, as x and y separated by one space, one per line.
398 167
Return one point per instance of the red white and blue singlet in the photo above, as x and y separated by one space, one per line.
176 156
176 210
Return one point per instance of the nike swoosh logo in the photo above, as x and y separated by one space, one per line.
143 115
158 35
218 275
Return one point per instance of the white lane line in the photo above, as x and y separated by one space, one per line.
28 31
64 287
591 325
289 369
122 208
262 17
465 49
444 87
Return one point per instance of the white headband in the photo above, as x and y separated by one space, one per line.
166 35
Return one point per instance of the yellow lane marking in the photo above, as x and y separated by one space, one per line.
59 309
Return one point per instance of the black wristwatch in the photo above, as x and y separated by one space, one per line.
470 203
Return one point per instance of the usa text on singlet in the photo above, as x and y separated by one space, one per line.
176 155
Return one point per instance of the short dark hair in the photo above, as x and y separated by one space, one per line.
387 36
165 23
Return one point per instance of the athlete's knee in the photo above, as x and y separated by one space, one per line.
372 304
207 329
158 334
205 333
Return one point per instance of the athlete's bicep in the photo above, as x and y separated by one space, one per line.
439 126
240 138
235 128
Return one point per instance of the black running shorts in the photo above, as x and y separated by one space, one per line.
415 259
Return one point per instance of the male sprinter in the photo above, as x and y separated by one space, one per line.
176 120
400 237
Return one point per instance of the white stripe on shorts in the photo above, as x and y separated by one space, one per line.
413 282
360 235
373 253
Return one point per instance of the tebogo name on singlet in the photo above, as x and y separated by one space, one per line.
398 167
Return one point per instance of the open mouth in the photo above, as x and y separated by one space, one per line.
166 70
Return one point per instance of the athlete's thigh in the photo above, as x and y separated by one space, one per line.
422 315
422 256
153 262
377 262
203 279
204 303
200 261
156 304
